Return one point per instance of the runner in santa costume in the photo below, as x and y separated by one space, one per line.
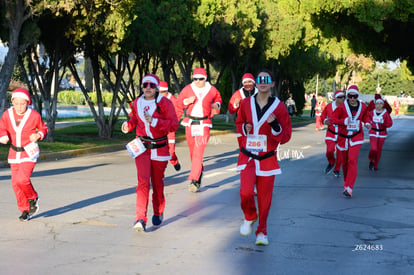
320 106
263 123
171 136
397 103
380 121
247 90
201 101
371 105
350 116
332 134
153 118
22 127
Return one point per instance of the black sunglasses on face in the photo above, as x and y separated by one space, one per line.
152 85
198 79
340 97
352 96
264 79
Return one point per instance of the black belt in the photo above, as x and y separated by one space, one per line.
349 136
154 146
17 149
148 139
253 156
147 142
197 118
378 130
335 133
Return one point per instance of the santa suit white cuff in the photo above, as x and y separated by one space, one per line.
4 139
123 125
244 129
277 133
154 122
346 121
41 135
218 104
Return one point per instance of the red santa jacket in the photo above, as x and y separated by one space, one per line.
164 121
19 135
379 123
239 94
200 109
320 106
332 131
248 114
171 135
350 124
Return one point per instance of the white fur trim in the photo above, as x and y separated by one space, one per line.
353 91
20 95
199 76
150 79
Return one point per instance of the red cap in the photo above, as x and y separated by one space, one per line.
353 89
152 78
163 86
339 93
199 73
22 93
248 77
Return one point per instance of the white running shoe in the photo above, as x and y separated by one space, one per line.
246 228
261 239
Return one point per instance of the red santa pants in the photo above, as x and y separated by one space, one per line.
330 154
264 186
319 123
376 150
149 171
197 145
171 148
350 165
21 184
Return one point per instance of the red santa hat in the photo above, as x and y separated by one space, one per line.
163 86
379 100
353 89
339 93
151 78
22 93
200 73
248 77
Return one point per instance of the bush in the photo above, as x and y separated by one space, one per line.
77 98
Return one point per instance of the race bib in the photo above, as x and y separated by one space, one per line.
135 148
32 149
256 143
197 130
378 119
353 126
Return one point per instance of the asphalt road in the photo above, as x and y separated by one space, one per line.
88 206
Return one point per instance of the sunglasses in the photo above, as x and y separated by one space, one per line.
352 96
152 85
340 96
263 80
198 79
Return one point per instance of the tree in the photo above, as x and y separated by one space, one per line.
18 33
377 28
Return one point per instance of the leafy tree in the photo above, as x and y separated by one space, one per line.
18 32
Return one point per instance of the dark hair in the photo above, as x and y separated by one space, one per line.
264 70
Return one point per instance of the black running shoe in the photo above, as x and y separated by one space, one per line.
336 174
25 216
157 220
329 168
177 167
34 206
371 165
